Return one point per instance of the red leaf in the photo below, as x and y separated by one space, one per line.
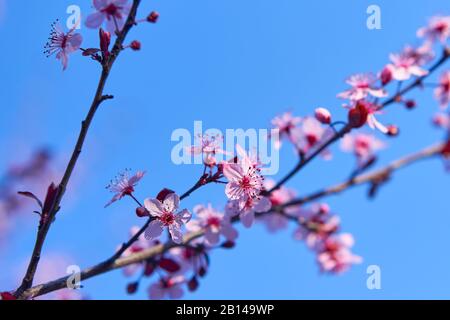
32 196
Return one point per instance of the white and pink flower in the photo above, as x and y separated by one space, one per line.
403 66
165 216
336 255
62 44
442 92
362 145
214 224
309 135
284 123
209 147
438 29
124 185
362 84
247 212
167 287
114 12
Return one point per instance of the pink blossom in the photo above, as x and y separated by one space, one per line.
285 123
191 258
213 223
404 66
438 29
362 145
114 12
62 44
442 120
442 92
316 225
209 146
245 181
167 287
141 244
309 135
165 217
123 185
336 256
273 220
362 86
421 55
247 212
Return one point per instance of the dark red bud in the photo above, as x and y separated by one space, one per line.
169 265
105 40
135 45
153 17
357 117
141 212
193 284
386 76
228 245
446 150
410 104
202 272
149 269
132 288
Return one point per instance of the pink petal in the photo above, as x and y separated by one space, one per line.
175 233
154 207
263 205
156 292
95 20
171 202
154 230
175 292
233 172
247 218
183 216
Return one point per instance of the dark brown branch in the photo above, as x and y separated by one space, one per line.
99 97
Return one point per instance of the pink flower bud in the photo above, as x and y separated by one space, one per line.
386 76
163 194
7 296
392 131
193 284
323 115
410 104
169 265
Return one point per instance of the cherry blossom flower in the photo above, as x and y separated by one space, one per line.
170 287
209 147
274 221
247 212
437 30
141 244
442 92
213 223
362 145
442 120
285 123
316 225
244 179
193 257
124 185
362 85
336 256
62 44
165 217
114 12
309 135
421 55
404 66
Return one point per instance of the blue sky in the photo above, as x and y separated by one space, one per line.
231 64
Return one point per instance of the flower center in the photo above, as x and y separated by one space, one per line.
213 222
167 218
246 183
110 10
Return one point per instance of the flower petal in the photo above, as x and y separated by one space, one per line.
154 207
154 230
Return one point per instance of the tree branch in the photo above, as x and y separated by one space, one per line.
99 97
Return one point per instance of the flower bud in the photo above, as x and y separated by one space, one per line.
386 76
392 131
132 288
357 116
141 212
410 104
193 284
153 17
323 115
135 45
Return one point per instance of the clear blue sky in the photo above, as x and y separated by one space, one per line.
231 64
